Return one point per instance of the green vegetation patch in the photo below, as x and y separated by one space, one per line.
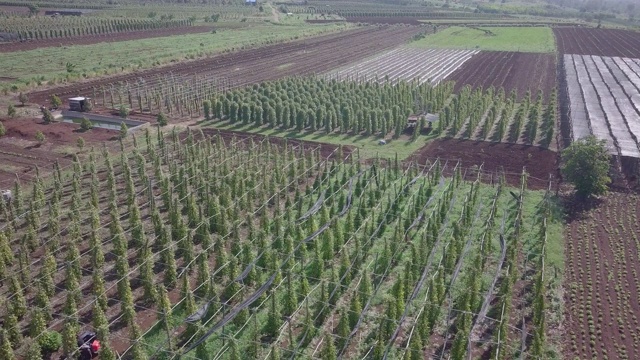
72 62
524 39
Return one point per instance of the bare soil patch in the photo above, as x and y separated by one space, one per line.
495 159
600 42
510 70
20 153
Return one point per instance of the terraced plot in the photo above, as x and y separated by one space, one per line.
604 100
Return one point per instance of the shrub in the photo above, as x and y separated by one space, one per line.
55 101
47 117
80 143
124 112
586 165
162 119
11 111
50 341
40 137
23 98
3 131
86 124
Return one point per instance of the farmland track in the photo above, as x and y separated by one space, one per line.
510 70
96 39
601 42
302 57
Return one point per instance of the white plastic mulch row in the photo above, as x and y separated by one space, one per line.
604 97
433 65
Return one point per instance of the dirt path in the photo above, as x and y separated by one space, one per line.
274 12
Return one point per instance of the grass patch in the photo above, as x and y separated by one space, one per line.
523 39
368 146
107 58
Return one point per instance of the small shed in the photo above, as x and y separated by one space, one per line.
78 103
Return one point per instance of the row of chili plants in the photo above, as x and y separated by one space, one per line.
492 116
71 26
328 105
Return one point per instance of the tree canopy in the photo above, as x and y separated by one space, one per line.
586 165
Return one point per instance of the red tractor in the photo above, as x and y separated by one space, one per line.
88 344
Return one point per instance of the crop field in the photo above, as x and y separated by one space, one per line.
422 65
495 160
521 39
95 39
493 115
604 100
274 248
600 42
520 72
602 280
45 64
308 56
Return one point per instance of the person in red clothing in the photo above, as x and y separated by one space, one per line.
95 346
88 345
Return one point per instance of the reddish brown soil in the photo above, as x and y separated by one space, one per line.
308 56
326 150
385 20
510 70
602 286
95 39
601 42
495 158
20 153
324 21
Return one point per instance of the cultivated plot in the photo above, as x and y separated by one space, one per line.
604 100
521 72
601 42
432 65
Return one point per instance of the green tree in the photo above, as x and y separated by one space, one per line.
162 119
34 352
123 130
55 101
33 9
11 111
586 165
329 351
273 320
6 352
207 109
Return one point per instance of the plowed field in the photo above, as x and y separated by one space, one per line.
601 42
602 283
495 159
510 70
307 56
